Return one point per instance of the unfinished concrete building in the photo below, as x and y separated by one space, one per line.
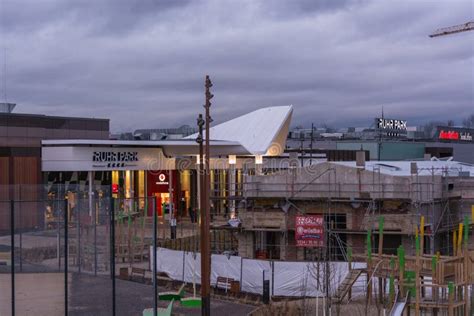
352 196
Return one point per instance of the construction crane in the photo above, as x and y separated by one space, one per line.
469 26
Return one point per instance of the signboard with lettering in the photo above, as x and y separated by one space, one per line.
309 231
455 134
114 159
76 158
391 127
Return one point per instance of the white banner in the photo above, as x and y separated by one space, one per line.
295 279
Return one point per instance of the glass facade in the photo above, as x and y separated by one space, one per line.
178 188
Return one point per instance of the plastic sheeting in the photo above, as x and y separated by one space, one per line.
286 278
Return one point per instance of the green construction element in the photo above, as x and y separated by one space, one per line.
172 295
161 311
191 302
417 244
401 257
409 282
369 244
349 254
381 225
391 289
434 262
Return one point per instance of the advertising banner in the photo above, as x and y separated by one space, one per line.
309 231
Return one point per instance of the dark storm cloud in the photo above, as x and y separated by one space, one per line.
142 62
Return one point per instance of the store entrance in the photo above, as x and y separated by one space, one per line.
162 204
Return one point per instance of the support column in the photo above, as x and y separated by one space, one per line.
90 177
232 183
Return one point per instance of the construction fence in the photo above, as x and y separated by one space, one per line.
61 253
286 279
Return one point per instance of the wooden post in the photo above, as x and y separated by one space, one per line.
450 299
454 242
466 265
380 250
349 257
401 269
417 276
392 281
369 266
422 235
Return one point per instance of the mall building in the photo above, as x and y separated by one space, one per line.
167 169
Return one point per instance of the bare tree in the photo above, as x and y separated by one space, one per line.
430 128
469 121
328 128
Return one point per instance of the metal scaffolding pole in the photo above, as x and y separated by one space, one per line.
66 260
12 250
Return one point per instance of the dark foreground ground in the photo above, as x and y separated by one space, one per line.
93 296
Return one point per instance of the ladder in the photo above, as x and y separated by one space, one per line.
346 284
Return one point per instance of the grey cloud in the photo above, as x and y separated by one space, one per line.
142 63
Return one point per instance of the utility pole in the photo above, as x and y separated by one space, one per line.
202 201
205 214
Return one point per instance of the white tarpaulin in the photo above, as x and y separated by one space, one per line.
286 278
170 262
223 266
252 275
192 267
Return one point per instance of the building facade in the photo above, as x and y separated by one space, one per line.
21 176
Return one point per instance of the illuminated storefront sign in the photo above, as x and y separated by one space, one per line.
109 156
391 128
455 134
451 135
309 231
88 158
162 179
389 124
115 159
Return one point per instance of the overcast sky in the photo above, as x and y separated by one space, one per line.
142 63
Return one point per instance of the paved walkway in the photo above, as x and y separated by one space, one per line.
92 296
36 294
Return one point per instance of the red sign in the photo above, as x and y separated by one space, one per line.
451 135
115 188
309 231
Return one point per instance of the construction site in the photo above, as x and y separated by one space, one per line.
229 220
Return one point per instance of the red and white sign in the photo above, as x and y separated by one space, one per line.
162 179
451 135
309 231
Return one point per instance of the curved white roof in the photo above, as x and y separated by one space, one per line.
261 132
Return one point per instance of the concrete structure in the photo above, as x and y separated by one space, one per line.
351 198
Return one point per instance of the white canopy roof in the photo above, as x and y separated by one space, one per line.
261 132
